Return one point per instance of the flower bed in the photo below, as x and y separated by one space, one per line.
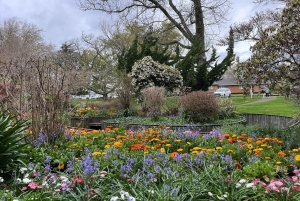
171 122
158 164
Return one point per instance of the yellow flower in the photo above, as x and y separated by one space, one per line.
168 145
233 135
106 146
250 146
297 158
188 143
55 146
230 151
196 148
267 158
218 148
117 144
162 150
269 147
263 145
180 150
179 140
96 153
103 153
194 152
295 150
278 163
209 150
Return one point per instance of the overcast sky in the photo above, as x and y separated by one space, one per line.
62 20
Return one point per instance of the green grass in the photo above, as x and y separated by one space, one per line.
239 99
280 106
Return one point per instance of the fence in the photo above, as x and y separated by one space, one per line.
263 119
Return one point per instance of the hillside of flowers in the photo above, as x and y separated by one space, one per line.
157 164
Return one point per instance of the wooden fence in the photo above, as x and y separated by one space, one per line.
268 120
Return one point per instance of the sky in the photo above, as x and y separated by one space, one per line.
62 20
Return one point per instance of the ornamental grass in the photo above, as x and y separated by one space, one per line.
156 164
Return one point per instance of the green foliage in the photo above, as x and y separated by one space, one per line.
148 47
200 106
11 142
201 75
259 169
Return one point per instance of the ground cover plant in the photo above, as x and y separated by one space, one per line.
159 164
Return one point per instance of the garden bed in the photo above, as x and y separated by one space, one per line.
137 123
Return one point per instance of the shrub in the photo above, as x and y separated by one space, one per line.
148 73
152 99
199 106
11 142
172 106
226 107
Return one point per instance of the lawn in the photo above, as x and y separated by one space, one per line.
280 106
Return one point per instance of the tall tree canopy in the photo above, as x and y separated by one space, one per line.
190 19
276 54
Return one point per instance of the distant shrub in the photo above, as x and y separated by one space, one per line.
199 106
152 99
172 106
226 107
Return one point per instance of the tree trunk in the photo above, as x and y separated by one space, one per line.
200 30
105 97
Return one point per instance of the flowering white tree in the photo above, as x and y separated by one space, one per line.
148 73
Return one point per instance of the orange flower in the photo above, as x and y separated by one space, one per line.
258 142
107 129
240 137
237 165
173 154
117 144
280 141
55 146
281 153
297 158
60 166
226 135
249 140
137 147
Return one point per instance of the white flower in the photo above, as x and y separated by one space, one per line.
19 180
249 185
238 185
210 194
22 170
151 191
1 179
242 181
115 198
26 180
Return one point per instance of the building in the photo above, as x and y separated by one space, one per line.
229 81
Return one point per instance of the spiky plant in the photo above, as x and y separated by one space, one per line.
11 142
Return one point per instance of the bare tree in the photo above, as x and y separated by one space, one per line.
193 19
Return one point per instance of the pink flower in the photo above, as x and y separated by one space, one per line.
294 178
33 185
295 188
256 181
24 188
57 190
295 171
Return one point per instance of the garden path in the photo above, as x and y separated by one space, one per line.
264 99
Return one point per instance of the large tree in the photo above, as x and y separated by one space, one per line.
189 17
276 54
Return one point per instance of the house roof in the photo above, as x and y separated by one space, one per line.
227 79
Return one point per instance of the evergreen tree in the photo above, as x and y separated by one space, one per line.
201 76
148 47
